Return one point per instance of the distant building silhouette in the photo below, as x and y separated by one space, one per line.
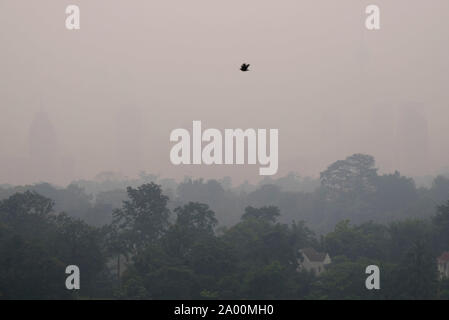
129 140
44 153
412 139
330 136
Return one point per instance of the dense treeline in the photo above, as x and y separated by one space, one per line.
156 242
348 189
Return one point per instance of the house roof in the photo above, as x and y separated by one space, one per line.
313 255
444 257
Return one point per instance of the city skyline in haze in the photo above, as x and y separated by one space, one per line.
107 96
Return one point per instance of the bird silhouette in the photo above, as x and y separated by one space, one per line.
244 67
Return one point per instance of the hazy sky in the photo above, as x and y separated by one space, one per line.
106 97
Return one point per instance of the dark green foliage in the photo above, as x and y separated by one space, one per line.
36 245
269 214
441 224
143 218
153 247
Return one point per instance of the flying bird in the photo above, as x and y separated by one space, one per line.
244 67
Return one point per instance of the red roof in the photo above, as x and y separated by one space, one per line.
444 257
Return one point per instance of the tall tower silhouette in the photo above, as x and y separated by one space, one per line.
43 146
128 142
412 139
363 59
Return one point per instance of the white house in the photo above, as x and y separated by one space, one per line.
443 265
313 260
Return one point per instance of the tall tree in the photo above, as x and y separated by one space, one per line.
354 174
441 224
143 218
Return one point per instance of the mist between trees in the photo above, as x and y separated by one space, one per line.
154 238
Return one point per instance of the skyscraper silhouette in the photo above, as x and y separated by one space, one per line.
412 139
44 152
